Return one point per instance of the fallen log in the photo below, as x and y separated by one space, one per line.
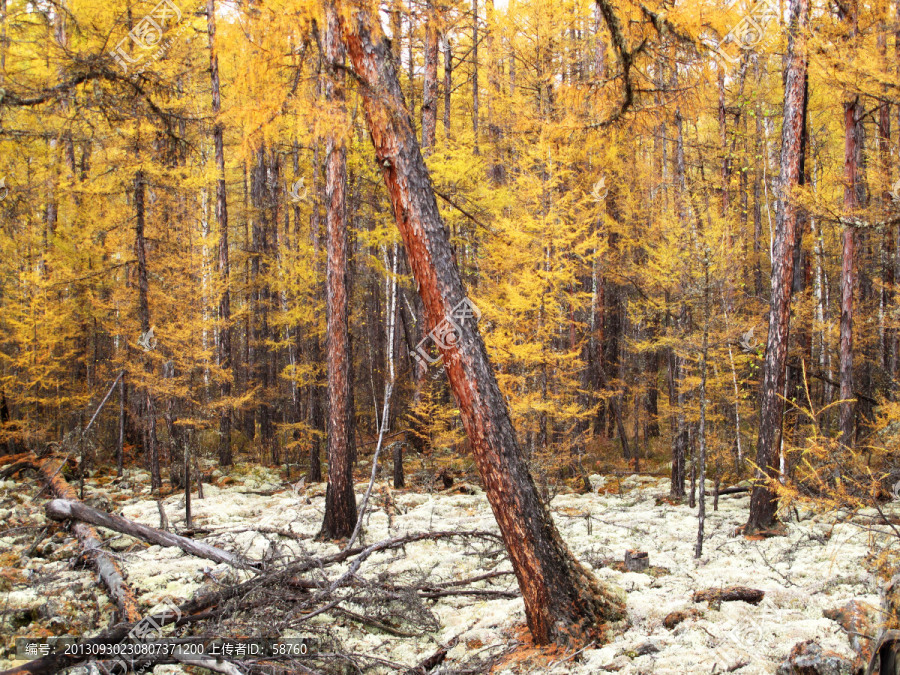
63 509
886 655
13 459
434 660
736 490
859 621
730 594
91 544
202 607
54 663
16 467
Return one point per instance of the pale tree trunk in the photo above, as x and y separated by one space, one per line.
390 296
430 88
224 352
847 274
562 599
848 258
763 501
340 501
676 363
701 515
599 44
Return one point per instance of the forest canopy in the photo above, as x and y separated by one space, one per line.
553 238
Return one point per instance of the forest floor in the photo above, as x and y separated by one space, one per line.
819 564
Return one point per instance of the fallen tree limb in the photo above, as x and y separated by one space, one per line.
730 594
15 468
62 509
479 592
91 545
736 490
13 459
204 607
434 660
54 663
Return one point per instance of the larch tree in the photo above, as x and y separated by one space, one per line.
340 501
763 501
224 337
562 599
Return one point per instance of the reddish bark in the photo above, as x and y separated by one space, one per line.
340 501
562 599
763 502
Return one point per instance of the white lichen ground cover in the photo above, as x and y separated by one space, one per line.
817 566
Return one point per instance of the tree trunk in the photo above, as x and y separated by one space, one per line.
340 501
701 515
763 503
475 75
430 87
72 509
314 409
888 333
120 441
562 599
224 352
92 545
847 262
448 82
151 446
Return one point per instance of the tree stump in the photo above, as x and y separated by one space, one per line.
636 561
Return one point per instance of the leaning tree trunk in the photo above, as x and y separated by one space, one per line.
340 502
763 501
562 599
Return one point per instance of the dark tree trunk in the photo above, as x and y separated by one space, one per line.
757 188
340 501
795 388
399 479
652 397
562 599
475 74
151 447
448 82
314 409
763 502
120 442
676 362
888 334
224 353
